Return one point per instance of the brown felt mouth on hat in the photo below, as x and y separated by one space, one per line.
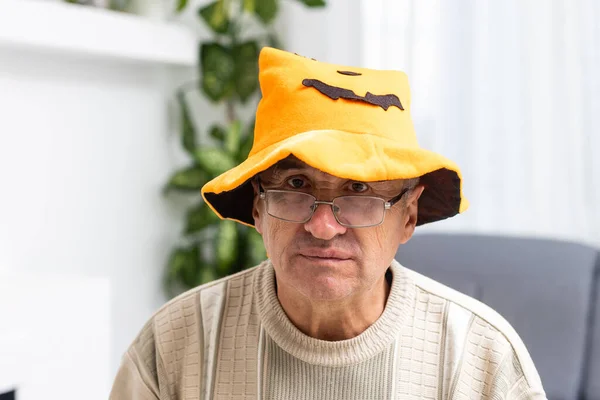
384 101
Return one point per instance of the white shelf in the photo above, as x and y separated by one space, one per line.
58 26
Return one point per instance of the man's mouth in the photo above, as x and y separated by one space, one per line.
326 254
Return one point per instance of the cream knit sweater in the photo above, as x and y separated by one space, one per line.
231 339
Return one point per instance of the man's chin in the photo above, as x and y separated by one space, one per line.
320 279
321 287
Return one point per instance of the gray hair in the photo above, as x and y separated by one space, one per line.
409 184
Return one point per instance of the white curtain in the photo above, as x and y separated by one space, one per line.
510 90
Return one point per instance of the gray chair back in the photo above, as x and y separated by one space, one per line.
544 288
592 379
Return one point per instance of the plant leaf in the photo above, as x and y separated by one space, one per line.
245 56
183 266
207 274
181 5
199 218
233 138
314 3
250 5
266 10
274 41
188 132
226 247
215 16
218 132
246 143
214 161
118 5
256 248
191 266
218 69
188 179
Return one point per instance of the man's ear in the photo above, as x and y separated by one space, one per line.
411 213
256 213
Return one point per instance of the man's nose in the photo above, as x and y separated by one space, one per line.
323 224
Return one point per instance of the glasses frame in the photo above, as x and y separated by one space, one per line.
387 204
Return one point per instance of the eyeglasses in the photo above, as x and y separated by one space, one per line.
349 211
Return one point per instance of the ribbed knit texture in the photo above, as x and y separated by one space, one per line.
231 339
301 380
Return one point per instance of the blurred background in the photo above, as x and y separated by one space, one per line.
114 113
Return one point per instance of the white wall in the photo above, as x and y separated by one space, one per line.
84 152
331 34
52 347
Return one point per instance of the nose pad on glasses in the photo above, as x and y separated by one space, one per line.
334 208
324 223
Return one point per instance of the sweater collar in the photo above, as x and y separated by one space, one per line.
372 341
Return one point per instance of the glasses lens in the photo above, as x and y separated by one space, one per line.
359 211
289 206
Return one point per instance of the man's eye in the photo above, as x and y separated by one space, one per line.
296 183
359 187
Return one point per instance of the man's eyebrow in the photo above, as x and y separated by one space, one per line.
275 172
287 163
284 166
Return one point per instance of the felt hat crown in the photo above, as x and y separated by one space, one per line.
350 122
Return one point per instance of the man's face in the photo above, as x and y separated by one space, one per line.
321 259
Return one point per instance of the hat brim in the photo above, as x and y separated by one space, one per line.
348 155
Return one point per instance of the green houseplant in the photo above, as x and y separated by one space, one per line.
115 5
228 64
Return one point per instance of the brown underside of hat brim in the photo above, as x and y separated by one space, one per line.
361 157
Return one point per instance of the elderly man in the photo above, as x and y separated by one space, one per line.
335 182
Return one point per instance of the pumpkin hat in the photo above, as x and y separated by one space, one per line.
353 123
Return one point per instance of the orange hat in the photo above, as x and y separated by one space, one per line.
353 123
